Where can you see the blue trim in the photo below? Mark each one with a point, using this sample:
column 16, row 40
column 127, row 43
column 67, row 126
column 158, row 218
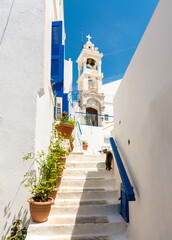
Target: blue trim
column 92, row 114
column 79, row 128
column 124, row 204
column 57, row 58
column 125, row 180
column 91, row 125
column 72, row 116
column 79, row 139
column 65, row 104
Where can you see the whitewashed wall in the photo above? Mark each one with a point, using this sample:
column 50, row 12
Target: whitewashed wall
column 26, row 102
column 143, row 106
column 109, row 90
column 68, row 75
column 95, row 137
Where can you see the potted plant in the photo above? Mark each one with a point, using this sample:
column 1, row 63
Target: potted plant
column 65, row 125
column 57, row 146
column 84, row 145
column 58, row 153
column 40, row 185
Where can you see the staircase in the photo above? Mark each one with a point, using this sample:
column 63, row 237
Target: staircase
column 86, row 206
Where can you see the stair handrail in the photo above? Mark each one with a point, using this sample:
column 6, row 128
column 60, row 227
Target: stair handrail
column 124, row 177
column 79, row 127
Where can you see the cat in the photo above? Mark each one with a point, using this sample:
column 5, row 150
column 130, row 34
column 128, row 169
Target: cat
column 109, row 158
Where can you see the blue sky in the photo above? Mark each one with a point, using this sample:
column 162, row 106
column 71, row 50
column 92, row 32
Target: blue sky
column 116, row 28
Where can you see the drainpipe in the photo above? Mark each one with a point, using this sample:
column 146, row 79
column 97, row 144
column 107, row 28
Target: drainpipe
column 55, row 107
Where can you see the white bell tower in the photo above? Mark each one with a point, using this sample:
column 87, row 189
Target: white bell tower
column 90, row 82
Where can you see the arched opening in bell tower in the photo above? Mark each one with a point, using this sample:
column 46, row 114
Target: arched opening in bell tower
column 91, row 63
column 92, row 117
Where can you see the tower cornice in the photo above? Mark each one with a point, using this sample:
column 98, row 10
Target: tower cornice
column 86, row 53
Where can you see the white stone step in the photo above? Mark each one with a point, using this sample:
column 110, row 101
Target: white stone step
column 77, row 152
column 87, row 194
column 81, row 219
column 85, row 189
column 116, row 224
column 85, row 209
column 87, row 173
column 80, row 202
column 86, row 206
column 85, row 164
column 87, row 157
column 73, row 182
column 115, row 236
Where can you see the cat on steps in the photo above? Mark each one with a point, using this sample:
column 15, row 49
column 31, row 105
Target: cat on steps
column 109, row 158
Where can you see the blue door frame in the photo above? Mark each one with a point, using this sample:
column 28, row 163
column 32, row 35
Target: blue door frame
column 57, row 65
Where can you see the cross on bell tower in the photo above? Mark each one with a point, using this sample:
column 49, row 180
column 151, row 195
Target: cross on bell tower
column 89, row 37
column 90, row 82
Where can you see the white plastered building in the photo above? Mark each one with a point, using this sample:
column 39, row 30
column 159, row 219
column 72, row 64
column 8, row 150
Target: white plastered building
column 26, row 97
column 143, row 129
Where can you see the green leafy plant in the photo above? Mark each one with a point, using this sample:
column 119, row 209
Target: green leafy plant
column 17, row 233
column 50, row 166
column 56, row 149
column 57, row 144
column 44, row 181
column 64, row 118
column 72, row 138
column 84, row 142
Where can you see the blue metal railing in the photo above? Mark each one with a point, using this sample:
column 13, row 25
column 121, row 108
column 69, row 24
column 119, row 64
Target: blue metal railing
column 72, row 116
column 93, row 119
column 79, row 128
column 127, row 193
column 93, row 114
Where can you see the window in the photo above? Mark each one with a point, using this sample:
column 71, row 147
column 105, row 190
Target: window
column 106, row 117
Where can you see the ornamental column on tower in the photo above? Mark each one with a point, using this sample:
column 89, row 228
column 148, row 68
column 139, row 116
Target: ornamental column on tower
column 90, row 83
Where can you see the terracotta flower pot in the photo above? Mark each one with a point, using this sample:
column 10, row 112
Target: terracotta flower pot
column 53, row 194
column 71, row 146
column 58, row 181
column 65, row 129
column 39, row 210
column 84, row 147
column 63, row 160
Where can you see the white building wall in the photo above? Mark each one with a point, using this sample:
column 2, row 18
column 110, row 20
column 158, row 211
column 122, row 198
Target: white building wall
column 68, row 75
column 26, row 111
column 95, row 136
column 142, row 110
column 109, row 90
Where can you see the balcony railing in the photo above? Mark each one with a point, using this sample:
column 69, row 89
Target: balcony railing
column 92, row 119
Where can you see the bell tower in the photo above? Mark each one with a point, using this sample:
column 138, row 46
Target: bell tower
column 90, row 82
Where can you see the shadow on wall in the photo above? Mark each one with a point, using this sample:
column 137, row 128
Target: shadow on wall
column 22, row 215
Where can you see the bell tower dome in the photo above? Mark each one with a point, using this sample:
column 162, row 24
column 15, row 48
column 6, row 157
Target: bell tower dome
column 90, row 80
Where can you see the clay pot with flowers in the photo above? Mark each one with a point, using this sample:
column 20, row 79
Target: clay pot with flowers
column 57, row 153
column 84, row 145
column 41, row 183
column 65, row 125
